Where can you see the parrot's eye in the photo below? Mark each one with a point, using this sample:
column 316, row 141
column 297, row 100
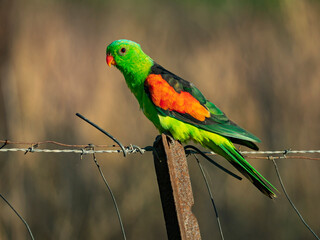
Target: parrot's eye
column 123, row 51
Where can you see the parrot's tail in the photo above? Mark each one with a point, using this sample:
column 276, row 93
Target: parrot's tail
column 239, row 162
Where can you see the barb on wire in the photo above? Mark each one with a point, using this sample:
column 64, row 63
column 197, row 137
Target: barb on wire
column 31, row 149
column 212, row 161
column 211, row 196
column 21, row 218
column 290, row 201
column 112, row 196
column 104, row 132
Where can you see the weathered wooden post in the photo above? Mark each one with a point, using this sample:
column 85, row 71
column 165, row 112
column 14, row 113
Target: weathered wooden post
column 175, row 189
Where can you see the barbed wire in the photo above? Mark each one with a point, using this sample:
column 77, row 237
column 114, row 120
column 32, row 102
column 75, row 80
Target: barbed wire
column 83, row 149
column 91, row 149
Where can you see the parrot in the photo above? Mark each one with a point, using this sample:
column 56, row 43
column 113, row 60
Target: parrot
column 177, row 107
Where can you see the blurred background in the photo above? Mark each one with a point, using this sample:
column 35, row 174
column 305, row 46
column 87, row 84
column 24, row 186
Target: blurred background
column 257, row 60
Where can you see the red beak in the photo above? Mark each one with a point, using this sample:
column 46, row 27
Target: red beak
column 110, row 60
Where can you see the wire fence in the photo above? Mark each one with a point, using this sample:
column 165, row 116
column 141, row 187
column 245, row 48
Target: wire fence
column 82, row 149
column 91, row 149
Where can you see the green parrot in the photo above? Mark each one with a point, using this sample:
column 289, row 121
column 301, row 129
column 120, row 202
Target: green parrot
column 176, row 106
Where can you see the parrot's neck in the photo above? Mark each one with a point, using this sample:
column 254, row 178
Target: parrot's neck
column 136, row 85
column 136, row 74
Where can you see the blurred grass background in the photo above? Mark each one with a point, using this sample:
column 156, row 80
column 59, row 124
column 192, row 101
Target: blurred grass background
column 257, row 60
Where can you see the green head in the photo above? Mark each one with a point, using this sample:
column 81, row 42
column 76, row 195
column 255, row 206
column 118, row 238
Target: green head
column 129, row 58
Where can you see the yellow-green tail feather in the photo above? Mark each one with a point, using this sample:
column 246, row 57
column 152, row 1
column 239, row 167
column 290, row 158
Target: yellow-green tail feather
column 239, row 162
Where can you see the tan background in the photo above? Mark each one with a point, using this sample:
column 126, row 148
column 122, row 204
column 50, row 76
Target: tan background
column 257, row 60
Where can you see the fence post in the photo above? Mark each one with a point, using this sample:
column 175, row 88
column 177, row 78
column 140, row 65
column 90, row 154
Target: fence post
column 175, row 189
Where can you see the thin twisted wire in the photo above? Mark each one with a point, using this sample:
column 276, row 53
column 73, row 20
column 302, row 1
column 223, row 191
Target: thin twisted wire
column 78, row 151
column 131, row 150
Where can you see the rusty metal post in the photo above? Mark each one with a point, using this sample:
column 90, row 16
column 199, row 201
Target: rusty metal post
column 175, row 189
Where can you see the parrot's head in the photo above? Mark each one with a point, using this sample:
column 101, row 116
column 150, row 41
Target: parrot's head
column 129, row 58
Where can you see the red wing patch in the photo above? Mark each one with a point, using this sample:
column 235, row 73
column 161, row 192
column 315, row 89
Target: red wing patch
column 165, row 97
